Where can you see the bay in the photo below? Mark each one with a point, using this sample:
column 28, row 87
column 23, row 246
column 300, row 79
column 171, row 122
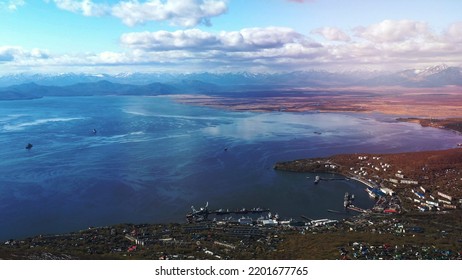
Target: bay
column 152, row 158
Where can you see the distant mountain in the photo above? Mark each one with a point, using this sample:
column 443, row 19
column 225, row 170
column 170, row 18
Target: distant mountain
column 436, row 76
column 26, row 86
column 27, row 91
column 33, row 90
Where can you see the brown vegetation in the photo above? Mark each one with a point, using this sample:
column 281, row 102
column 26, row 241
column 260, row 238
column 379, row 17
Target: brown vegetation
column 450, row 123
column 395, row 101
column 434, row 170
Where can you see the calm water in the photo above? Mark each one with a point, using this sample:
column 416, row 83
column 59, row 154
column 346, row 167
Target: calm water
column 152, row 158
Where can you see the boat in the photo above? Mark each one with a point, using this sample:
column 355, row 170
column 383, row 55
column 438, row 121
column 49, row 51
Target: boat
column 221, row 212
column 198, row 215
column 374, row 192
column 29, row 146
column 347, row 200
column 245, row 221
column 317, row 179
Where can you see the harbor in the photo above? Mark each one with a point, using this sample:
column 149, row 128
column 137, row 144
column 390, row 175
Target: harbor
column 398, row 182
column 204, row 212
column 355, row 237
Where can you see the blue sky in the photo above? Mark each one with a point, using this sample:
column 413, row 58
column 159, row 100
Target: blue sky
column 113, row 36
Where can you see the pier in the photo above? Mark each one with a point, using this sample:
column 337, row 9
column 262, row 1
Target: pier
column 240, row 211
column 318, row 178
column 203, row 213
column 357, row 209
column 367, row 183
column 334, row 179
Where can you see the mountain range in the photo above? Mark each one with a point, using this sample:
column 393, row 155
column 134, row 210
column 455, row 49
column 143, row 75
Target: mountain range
column 28, row 86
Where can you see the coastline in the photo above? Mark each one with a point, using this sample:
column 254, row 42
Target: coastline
column 452, row 124
column 436, row 172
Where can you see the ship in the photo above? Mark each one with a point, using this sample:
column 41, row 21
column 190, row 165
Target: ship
column 347, row 200
column 374, row 192
column 198, row 215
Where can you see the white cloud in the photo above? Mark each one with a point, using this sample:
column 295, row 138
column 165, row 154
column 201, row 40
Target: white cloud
column 15, row 54
column 8, row 53
column 454, row 32
column 332, row 34
column 248, row 39
column 38, row 53
column 250, row 47
column 261, row 49
column 186, row 13
column 11, row 5
column 385, row 45
column 85, row 7
column 393, row 31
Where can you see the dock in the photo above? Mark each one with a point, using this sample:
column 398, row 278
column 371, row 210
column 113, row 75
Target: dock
column 336, row 211
column 357, row 209
column 319, row 178
column 240, row 211
column 203, row 213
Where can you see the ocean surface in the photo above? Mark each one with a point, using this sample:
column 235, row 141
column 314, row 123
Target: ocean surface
column 151, row 159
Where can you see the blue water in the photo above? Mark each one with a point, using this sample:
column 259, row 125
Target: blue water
column 152, row 158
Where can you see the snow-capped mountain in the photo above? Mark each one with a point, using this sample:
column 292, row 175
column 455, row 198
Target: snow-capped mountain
column 434, row 76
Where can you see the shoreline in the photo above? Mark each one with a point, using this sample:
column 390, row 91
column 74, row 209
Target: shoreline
column 451, row 124
column 434, row 173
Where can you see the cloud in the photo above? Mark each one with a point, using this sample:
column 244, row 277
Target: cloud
column 332, row 34
column 250, row 48
column 393, row 31
column 15, row 53
column 11, row 5
column 85, row 7
column 269, row 49
column 385, row 45
column 7, row 53
column 185, row 13
column 454, row 32
column 248, row 39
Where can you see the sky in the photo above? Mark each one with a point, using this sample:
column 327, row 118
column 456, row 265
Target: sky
column 185, row 36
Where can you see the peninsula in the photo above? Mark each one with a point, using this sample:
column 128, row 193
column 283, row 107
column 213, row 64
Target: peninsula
column 424, row 180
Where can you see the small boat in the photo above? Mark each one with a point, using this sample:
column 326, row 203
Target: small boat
column 317, row 179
